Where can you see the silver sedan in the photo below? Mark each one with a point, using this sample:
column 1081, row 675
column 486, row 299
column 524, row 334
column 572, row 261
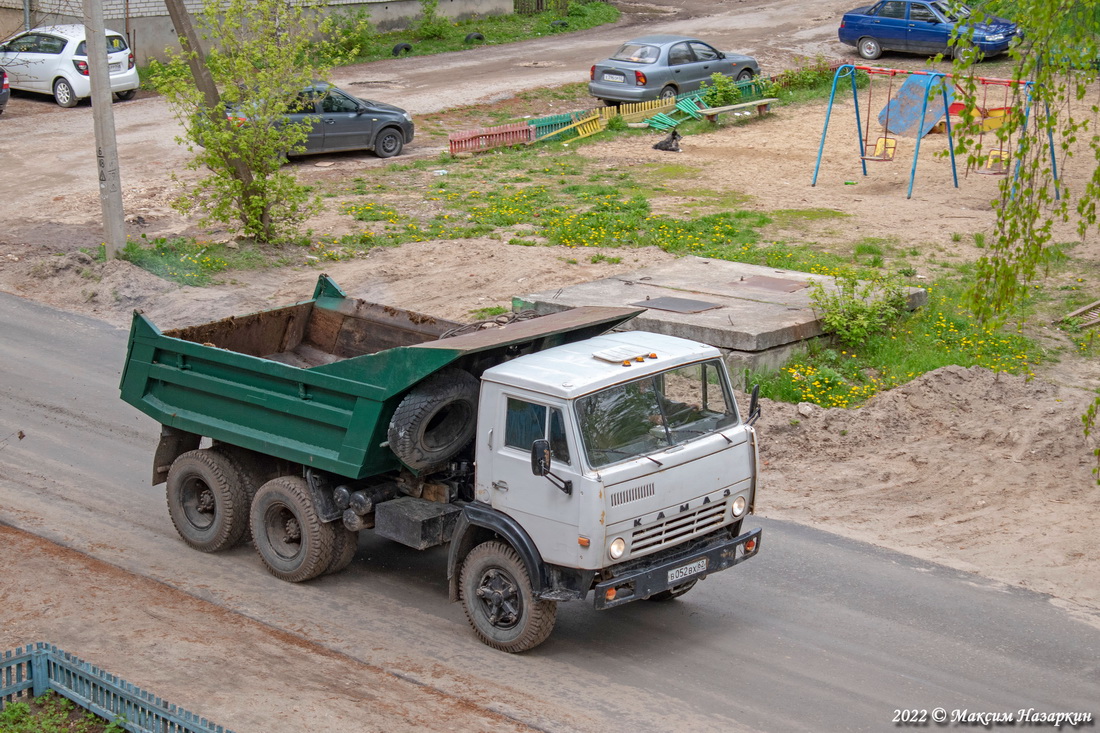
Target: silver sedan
column 663, row 66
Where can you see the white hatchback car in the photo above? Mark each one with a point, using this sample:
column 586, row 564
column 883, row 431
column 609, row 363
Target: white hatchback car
column 54, row 60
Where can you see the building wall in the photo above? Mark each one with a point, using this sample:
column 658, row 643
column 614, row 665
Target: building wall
column 150, row 29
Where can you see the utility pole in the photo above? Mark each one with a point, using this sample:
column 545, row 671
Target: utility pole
column 103, row 116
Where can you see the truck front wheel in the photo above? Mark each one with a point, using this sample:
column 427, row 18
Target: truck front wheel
column 207, row 501
column 499, row 601
column 293, row 542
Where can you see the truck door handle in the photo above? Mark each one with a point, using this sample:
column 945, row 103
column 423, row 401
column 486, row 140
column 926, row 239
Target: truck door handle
column 500, row 485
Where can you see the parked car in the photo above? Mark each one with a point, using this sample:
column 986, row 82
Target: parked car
column 340, row 121
column 924, row 27
column 663, row 66
column 54, row 60
column 5, row 90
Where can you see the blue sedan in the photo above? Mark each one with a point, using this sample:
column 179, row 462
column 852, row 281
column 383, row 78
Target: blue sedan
column 922, row 26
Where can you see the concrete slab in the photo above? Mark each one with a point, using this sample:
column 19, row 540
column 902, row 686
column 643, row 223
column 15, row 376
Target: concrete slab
column 756, row 314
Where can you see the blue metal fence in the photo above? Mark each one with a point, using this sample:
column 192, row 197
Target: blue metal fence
column 37, row 668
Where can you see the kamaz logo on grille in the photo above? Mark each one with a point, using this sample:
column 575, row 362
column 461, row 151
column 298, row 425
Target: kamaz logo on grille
column 662, row 515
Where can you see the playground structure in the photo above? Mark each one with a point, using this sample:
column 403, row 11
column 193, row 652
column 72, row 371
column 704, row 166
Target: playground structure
column 925, row 102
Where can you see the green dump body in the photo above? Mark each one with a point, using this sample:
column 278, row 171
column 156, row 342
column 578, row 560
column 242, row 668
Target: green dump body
column 317, row 382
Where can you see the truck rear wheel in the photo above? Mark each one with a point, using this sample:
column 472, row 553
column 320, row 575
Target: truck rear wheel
column 344, row 546
column 207, row 501
column 435, row 420
column 293, row 542
column 499, row 602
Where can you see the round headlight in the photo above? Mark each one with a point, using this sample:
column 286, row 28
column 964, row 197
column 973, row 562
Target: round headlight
column 739, row 506
column 618, row 547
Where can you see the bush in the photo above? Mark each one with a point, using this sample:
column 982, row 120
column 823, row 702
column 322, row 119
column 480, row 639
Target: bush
column 431, row 26
column 721, row 91
column 856, row 311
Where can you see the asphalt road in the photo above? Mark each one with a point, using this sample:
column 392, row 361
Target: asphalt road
column 816, row 633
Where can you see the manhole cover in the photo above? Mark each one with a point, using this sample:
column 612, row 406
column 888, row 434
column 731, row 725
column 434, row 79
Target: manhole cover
column 777, row 284
column 677, row 305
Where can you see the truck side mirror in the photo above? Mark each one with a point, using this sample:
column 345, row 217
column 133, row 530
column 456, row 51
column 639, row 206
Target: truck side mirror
column 540, row 465
column 754, row 405
column 540, row 457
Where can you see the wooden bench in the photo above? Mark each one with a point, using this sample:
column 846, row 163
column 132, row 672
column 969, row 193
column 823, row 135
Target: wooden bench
column 711, row 113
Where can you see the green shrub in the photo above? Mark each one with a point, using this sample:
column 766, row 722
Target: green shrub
column 855, row 311
column 722, row 91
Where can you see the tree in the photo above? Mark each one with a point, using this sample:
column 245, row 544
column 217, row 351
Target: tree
column 262, row 54
column 1059, row 56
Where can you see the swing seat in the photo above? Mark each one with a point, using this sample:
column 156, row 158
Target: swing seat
column 884, row 149
column 996, row 164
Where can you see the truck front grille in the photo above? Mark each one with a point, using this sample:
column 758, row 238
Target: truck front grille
column 678, row 528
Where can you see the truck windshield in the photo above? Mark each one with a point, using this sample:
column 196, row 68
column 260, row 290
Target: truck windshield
column 655, row 412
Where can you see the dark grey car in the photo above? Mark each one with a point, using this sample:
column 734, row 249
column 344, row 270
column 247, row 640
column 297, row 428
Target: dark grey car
column 663, row 66
column 340, row 122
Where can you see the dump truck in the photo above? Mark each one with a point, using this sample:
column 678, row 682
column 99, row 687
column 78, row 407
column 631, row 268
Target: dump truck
column 557, row 457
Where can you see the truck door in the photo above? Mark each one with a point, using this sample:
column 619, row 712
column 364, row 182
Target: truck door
column 548, row 514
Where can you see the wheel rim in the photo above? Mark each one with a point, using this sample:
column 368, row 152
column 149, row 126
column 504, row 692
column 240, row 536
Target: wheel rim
column 284, row 531
column 499, row 599
column 198, row 503
column 668, row 93
column 389, row 143
column 63, row 93
column 869, row 48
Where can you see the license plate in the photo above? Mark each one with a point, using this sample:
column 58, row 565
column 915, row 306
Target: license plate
column 115, row 67
column 686, row 571
column 613, row 77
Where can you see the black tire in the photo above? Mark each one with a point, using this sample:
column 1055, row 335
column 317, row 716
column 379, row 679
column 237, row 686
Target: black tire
column 500, row 605
column 402, row 48
column 611, row 102
column 389, row 143
column 473, row 38
column 674, row 592
column 126, row 96
column 63, row 94
column 745, row 75
column 207, row 501
column 293, row 542
column 869, row 48
column 252, row 473
column 435, row 420
column 345, row 545
column 559, row 24
column 669, row 92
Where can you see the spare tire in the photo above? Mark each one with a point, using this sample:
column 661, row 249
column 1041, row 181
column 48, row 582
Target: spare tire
column 435, row 420
column 402, row 48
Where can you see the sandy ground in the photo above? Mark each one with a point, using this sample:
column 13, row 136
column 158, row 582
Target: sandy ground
column 983, row 472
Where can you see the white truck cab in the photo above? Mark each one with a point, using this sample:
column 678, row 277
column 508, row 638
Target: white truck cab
column 623, row 461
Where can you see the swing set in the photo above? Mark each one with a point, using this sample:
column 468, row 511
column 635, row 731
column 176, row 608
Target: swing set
column 916, row 109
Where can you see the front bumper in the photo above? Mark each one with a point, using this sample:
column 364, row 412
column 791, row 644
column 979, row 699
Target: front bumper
column 642, row 580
